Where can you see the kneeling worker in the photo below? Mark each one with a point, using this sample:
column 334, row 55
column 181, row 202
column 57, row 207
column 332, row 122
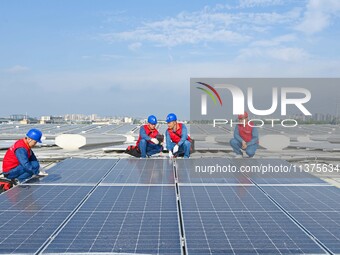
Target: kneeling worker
column 177, row 140
column 246, row 137
column 147, row 142
column 19, row 161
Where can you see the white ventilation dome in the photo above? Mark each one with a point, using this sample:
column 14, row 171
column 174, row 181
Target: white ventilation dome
column 274, row 142
column 76, row 141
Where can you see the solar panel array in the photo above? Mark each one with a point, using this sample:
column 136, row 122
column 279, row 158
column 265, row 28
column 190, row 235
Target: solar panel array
column 160, row 206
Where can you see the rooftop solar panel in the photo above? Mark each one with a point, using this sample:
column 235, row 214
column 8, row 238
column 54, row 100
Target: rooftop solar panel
column 245, row 233
column 221, row 198
column 127, row 198
column 325, row 226
column 313, row 198
column 25, row 231
column 141, row 171
column 126, row 232
column 140, row 219
column 316, row 208
column 134, row 209
column 238, row 232
column 78, row 171
column 42, row 198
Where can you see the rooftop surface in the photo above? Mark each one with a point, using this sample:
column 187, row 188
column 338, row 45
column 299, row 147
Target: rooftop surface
column 98, row 200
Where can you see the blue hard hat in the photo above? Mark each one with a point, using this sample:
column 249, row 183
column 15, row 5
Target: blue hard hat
column 152, row 119
column 34, row 134
column 171, row 117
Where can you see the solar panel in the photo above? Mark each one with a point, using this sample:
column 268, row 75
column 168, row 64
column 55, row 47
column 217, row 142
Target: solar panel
column 140, row 219
column 141, row 171
column 228, row 220
column 313, row 198
column 78, row 171
column 222, row 198
column 325, row 226
column 126, row 198
column 316, row 208
column 42, row 198
column 31, row 213
column 211, row 232
column 135, row 232
column 134, row 209
column 25, row 231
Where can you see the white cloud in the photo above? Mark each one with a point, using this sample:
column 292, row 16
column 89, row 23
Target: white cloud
column 255, row 3
column 275, row 41
column 288, row 54
column 318, row 15
column 16, row 69
column 135, row 46
column 206, row 26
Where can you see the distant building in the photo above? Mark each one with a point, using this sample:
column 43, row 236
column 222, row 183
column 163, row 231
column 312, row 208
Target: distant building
column 5, row 120
column 52, row 120
column 17, row 117
column 127, row 120
column 28, row 121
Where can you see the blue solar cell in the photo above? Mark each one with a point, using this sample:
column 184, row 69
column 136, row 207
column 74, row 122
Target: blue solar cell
column 78, row 171
column 127, row 198
column 227, row 220
column 317, row 208
column 25, row 231
column 141, row 171
column 124, row 219
column 325, row 226
column 305, row 198
column 42, row 198
column 222, row 198
column 245, row 232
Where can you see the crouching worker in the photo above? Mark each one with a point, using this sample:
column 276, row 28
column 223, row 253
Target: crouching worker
column 245, row 137
column 177, row 140
column 19, row 161
column 147, row 142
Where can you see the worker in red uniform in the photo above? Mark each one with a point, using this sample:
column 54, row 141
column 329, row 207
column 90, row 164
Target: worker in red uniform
column 177, row 140
column 147, row 142
column 19, row 161
column 246, row 137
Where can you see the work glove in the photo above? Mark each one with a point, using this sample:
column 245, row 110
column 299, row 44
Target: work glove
column 170, row 155
column 154, row 140
column 175, row 149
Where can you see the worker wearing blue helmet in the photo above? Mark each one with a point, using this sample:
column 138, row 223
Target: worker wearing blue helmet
column 177, row 140
column 19, row 161
column 147, row 142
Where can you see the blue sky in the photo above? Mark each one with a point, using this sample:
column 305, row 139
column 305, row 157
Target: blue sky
column 136, row 57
